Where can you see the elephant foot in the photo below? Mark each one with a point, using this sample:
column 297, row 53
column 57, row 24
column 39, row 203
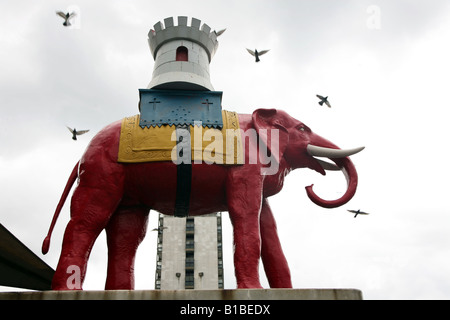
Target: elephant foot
column 121, row 284
column 248, row 282
column 70, row 279
column 58, row 287
column 249, row 286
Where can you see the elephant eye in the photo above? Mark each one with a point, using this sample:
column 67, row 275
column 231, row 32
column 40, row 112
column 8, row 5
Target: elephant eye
column 301, row 128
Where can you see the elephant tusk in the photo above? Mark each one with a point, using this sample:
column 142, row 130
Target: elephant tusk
column 331, row 153
column 328, row 166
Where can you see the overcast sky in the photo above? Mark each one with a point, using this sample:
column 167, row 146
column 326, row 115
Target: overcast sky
column 383, row 64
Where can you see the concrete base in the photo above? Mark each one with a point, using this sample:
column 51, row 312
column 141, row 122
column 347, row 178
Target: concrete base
column 238, row 294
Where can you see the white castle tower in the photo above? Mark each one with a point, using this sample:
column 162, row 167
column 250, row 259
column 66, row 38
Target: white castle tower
column 182, row 54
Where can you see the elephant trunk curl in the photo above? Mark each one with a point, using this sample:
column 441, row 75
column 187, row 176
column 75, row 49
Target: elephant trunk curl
column 341, row 158
column 347, row 167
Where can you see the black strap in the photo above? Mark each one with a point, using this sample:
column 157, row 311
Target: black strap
column 184, row 172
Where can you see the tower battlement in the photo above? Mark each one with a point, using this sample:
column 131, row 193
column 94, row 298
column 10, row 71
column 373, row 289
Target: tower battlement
column 202, row 35
column 182, row 54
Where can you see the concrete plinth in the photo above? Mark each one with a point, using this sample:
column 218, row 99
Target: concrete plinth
column 238, row 294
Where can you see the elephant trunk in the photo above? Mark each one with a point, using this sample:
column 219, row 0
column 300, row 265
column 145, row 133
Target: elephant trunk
column 343, row 162
column 347, row 167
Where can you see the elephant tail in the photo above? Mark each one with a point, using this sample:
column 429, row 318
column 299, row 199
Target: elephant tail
column 73, row 177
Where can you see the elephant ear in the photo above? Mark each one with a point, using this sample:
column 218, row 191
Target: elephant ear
column 271, row 132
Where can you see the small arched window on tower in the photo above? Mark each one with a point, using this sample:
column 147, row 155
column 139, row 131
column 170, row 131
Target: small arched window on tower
column 182, row 54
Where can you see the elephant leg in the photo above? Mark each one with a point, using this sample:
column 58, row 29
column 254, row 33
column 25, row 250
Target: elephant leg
column 125, row 232
column 274, row 261
column 91, row 209
column 244, row 205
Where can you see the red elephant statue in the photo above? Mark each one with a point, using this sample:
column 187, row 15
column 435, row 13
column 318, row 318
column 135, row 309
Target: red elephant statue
column 118, row 197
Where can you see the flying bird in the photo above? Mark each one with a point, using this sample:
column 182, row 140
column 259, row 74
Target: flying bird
column 160, row 228
column 323, row 100
column 76, row 133
column 220, row 32
column 257, row 53
column 356, row 212
column 66, row 16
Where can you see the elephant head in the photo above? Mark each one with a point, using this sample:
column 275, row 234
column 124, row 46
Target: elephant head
column 299, row 147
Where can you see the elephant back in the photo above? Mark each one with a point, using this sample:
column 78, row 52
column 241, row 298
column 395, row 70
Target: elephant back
column 159, row 143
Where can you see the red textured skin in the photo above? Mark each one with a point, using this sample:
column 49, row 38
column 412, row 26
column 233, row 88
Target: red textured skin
column 117, row 197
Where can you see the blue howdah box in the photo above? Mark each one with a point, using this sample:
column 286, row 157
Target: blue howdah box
column 180, row 107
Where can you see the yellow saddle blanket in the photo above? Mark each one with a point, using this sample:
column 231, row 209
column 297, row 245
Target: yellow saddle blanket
column 220, row 146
